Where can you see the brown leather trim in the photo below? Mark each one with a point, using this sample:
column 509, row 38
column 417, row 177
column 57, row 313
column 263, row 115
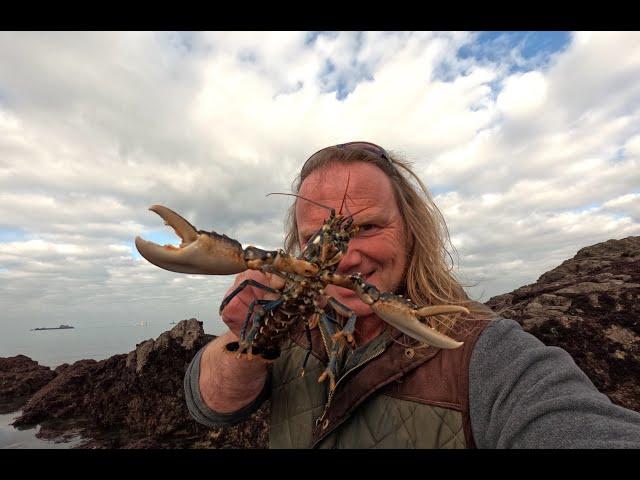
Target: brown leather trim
column 432, row 383
column 423, row 401
column 371, row 377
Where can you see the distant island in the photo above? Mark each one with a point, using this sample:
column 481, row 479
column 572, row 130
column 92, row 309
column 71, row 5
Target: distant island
column 61, row 327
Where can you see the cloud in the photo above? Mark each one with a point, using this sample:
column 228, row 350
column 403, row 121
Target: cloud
column 522, row 94
column 531, row 143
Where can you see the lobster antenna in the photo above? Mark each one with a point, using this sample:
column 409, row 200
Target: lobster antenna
column 300, row 196
column 361, row 210
column 347, row 206
column 344, row 197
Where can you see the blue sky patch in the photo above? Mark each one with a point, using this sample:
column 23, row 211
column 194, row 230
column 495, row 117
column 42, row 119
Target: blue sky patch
column 7, row 235
column 535, row 51
column 620, row 155
column 343, row 82
column 161, row 237
column 535, row 47
column 136, row 255
column 587, row 207
column 342, row 79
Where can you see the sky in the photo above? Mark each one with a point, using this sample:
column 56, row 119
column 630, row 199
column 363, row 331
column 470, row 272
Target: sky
column 528, row 141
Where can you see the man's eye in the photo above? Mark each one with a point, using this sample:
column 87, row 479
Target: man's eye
column 368, row 227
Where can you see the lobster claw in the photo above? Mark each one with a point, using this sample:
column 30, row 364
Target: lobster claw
column 200, row 252
column 399, row 314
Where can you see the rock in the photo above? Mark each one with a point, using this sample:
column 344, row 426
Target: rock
column 20, row 377
column 136, row 400
column 589, row 306
column 62, row 397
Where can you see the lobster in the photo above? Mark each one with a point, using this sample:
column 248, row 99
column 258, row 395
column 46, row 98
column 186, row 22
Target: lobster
column 302, row 298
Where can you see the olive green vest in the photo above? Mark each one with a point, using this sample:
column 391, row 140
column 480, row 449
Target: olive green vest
column 387, row 396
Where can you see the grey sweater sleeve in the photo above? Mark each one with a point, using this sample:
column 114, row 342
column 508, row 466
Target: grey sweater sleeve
column 524, row 394
column 201, row 412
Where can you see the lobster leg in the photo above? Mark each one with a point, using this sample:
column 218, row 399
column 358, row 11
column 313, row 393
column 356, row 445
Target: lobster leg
column 309, row 348
column 247, row 319
column 255, row 314
column 331, row 371
column 242, row 286
column 348, row 329
column 264, row 307
column 247, row 344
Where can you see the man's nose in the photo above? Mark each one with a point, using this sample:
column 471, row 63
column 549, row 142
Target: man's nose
column 351, row 260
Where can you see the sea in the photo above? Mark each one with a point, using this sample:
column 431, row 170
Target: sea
column 87, row 340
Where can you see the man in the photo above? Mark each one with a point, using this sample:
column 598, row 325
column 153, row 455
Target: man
column 503, row 388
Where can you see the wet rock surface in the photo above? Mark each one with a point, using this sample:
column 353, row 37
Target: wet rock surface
column 589, row 306
column 135, row 400
column 20, row 377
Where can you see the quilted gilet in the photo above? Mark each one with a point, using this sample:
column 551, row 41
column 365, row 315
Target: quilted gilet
column 387, row 396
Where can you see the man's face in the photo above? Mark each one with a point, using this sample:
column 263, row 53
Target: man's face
column 379, row 250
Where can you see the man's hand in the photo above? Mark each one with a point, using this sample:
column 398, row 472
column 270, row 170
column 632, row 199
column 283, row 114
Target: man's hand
column 227, row 383
column 234, row 313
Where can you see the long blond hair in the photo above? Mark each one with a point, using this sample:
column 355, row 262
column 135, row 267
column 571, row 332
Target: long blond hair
column 429, row 279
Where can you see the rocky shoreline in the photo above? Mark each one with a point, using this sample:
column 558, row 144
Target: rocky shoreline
column 133, row 400
column 589, row 305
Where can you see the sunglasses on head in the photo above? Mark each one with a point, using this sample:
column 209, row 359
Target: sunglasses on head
column 366, row 146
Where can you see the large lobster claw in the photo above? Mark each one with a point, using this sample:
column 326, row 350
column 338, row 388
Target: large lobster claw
column 200, row 252
column 401, row 315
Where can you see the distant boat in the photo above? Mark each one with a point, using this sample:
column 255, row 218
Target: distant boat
column 61, row 327
column 173, row 323
column 142, row 323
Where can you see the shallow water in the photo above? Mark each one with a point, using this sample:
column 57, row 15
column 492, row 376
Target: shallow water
column 11, row 437
column 52, row 348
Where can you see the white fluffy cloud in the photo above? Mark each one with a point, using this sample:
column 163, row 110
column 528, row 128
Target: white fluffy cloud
column 523, row 95
column 531, row 159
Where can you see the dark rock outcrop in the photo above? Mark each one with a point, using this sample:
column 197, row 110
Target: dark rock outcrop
column 589, row 306
column 20, row 377
column 136, row 400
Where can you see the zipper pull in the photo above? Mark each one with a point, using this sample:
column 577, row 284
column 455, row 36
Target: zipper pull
column 325, row 423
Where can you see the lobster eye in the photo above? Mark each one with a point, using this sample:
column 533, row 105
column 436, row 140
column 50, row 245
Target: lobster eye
column 373, row 292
